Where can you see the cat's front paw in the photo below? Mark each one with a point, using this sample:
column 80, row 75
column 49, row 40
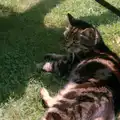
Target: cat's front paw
column 47, row 67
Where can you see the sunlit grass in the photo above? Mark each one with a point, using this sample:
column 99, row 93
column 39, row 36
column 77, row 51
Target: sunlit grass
column 31, row 28
column 19, row 5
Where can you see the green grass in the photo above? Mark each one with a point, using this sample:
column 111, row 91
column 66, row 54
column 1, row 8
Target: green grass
column 28, row 30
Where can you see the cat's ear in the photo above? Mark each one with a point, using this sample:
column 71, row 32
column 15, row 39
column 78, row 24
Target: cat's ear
column 71, row 19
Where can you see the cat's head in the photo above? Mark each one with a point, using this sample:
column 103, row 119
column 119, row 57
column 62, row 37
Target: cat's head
column 80, row 36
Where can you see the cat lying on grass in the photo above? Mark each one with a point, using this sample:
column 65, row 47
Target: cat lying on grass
column 92, row 91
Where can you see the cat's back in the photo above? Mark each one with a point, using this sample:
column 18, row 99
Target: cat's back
column 81, row 102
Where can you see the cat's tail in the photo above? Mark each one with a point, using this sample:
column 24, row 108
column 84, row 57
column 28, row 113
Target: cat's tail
column 109, row 7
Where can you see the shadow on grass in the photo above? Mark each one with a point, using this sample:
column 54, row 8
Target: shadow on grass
column 24, row 39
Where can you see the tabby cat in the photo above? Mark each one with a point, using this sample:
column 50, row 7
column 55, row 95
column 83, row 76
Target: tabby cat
column 82, row 41
column 92, row 92
column 93, row 81
column 87, row 101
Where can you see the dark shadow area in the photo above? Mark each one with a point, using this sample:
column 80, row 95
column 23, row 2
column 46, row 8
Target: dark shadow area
column 24, row 39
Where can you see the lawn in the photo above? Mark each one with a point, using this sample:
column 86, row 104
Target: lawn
column 31, row 28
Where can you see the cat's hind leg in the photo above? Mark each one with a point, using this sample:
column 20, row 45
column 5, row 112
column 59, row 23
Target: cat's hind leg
column 48, row 101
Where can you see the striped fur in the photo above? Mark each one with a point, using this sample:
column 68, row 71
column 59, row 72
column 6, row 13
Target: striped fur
column 82, row 41
column 79, row 102
column 92, row 92
column 80, row 36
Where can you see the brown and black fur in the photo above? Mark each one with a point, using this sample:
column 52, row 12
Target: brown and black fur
column 93, row 89
column 82, row 41
column 92, row 92
column 87, row 101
